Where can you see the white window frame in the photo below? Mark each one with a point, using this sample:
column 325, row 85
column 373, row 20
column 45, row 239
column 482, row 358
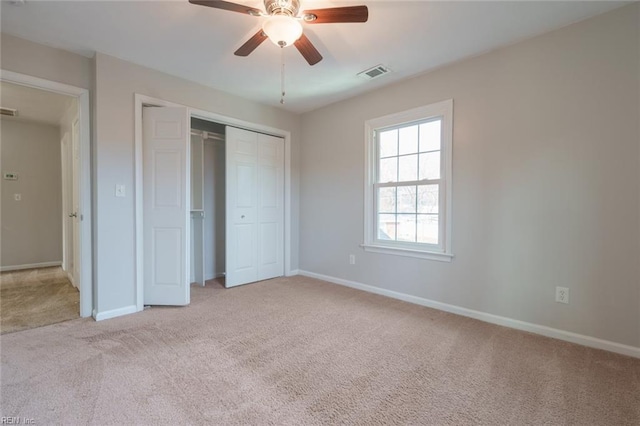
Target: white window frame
column 442, row 251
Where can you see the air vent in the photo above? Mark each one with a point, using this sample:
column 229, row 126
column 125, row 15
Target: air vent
column 375, row 72
column 9, row 111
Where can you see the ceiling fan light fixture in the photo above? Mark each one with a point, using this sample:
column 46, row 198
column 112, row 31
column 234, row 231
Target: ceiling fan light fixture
column 282, row 30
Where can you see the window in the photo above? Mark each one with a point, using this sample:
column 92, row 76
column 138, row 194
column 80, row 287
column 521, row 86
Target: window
column 408, row 185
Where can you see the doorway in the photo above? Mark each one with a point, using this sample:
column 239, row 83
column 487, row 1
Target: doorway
column 207, row 249
column 74, row 256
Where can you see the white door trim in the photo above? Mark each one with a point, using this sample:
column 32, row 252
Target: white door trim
column 85, row 181
column 142, row 100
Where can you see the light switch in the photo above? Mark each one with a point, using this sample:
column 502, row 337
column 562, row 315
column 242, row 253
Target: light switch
column 17, row 197
column 120, row 191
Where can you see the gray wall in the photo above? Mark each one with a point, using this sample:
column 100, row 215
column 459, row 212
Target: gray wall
column 546, row 185
column 32, row 227
column 26, row 57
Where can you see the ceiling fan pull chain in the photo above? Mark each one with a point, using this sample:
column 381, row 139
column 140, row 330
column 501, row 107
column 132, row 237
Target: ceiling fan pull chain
column 282, row 75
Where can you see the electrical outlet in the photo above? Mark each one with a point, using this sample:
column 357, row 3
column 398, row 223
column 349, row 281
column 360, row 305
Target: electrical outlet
column 562, row 295
column 352, row 259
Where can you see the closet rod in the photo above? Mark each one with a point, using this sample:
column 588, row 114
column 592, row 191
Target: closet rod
column 207, row 135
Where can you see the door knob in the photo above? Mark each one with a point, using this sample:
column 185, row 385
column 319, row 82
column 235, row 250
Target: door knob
column 74, row 214
column 242, row 217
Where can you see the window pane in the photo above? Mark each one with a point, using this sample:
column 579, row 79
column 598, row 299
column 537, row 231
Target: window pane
column 407, row 199
column 430, row 165
column 408, row 166
column 428, row 199
column 386, row 227
column 388, row 170
column 408, row 140
column 389, row 143
column 430, row 136
column 428, row 228
column 386, row 200
column 407, row 227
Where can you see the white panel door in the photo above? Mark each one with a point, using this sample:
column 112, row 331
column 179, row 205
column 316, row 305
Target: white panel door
column 242, row 207
column 67, row 206
column 166, row 206
column 270, row 207
column 75, row 202
column 255, row 207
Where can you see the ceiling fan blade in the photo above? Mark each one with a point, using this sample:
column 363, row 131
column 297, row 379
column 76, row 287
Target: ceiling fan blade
column 338, row 14
column 251, row 44
column 308, row 50
column 226, row 5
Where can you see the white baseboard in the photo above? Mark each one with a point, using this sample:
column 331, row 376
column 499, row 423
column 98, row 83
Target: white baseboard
column 292, row 272
column 99, row 316
column 568, row 336
column 30, row 266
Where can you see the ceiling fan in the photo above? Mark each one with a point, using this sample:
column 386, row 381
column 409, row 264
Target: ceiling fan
column 283, row 27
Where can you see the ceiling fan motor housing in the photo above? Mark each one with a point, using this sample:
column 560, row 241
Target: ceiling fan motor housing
column 282, row 7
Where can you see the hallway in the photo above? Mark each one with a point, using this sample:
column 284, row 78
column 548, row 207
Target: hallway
column 36, row 297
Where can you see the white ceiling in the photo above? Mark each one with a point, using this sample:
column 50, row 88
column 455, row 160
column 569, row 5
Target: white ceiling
column 197, row 43
column 34, row 104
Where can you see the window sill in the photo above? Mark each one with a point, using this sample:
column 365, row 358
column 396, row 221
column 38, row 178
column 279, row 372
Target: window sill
column 397, row 251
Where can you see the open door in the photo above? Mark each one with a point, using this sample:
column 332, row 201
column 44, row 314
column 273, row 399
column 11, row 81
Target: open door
column 166, row 205
column 75, row 203
column 255, row 207
column 70, row 163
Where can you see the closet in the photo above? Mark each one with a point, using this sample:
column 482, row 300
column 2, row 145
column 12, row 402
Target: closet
column 207, row 201
column 213, row 205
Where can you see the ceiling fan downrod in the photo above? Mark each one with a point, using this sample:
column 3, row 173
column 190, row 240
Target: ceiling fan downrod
column 282, row 7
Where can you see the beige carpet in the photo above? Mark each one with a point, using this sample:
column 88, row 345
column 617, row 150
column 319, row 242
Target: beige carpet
column 298, row 351
column 36, row 297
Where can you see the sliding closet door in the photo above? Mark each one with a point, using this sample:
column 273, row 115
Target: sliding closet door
column 242, row 210
column 270, row 207
column 255, row 207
